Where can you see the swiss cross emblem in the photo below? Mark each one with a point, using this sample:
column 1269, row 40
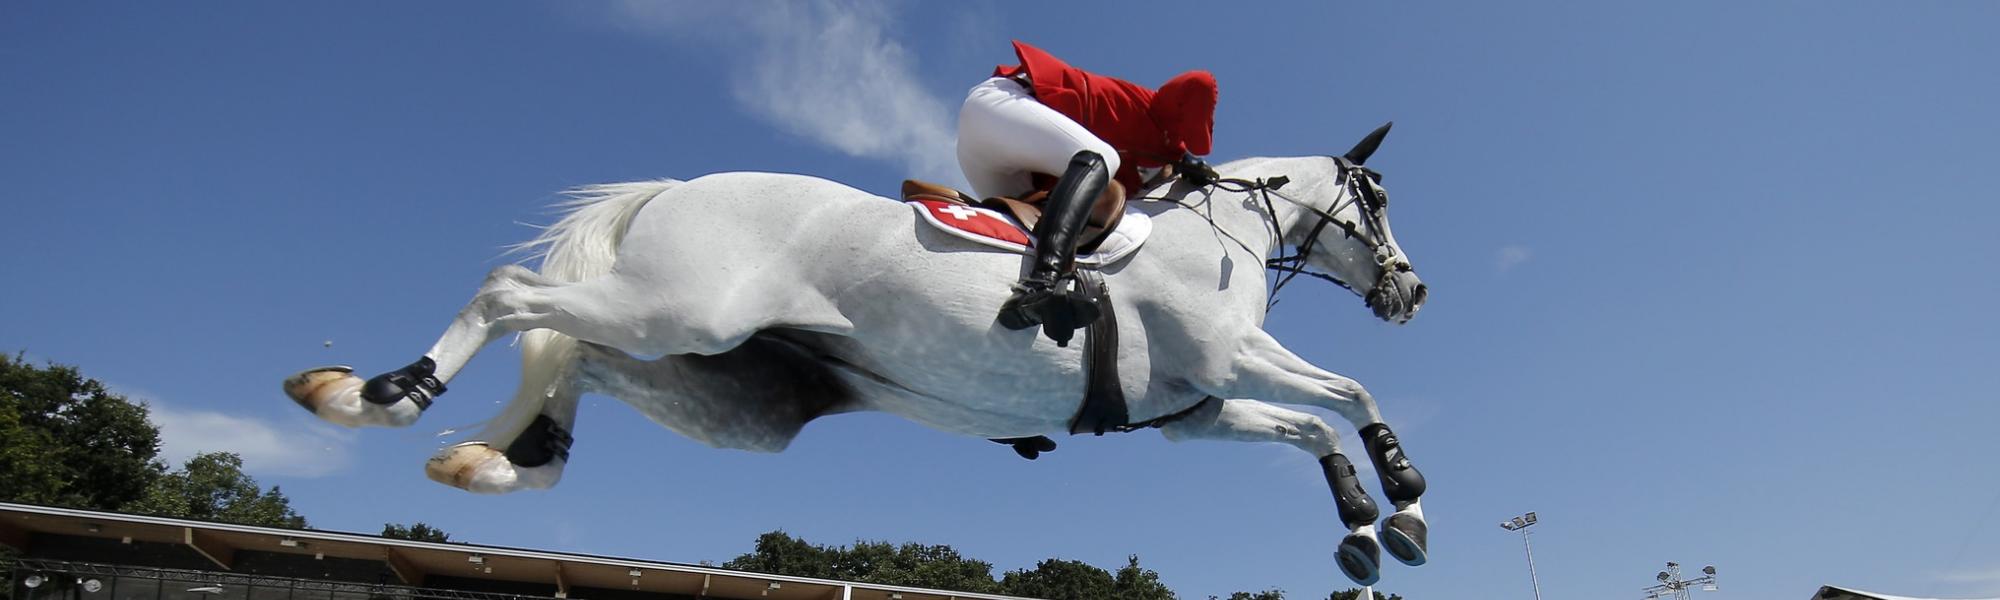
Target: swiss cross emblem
column 958, row 212
column 974, row 221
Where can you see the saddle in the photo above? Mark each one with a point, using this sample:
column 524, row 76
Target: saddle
column 1105, row 214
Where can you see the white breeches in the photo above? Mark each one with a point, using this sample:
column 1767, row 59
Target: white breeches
column 1005, row 134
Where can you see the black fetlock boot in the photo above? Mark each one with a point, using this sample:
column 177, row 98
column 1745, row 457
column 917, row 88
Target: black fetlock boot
column 1044, row 295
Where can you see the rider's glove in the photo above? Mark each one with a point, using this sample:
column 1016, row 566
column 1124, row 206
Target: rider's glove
column 1195, row 170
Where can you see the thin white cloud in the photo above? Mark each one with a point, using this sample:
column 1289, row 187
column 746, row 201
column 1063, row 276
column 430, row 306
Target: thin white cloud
column 825, row 70
column 1512, row 255
column 1988, row 575
column 300, row 448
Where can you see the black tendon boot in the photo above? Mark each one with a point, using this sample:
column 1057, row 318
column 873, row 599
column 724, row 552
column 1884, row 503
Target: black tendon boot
column 1044, row 297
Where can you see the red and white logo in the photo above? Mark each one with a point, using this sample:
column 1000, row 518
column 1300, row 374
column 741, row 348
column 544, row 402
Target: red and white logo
column 974, row 223
column 997, row 230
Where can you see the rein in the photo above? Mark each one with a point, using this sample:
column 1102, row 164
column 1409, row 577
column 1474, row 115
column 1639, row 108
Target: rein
column 1291, row 266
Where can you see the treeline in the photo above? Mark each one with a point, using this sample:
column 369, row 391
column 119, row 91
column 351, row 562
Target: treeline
column 942, row 567
column 66, row 440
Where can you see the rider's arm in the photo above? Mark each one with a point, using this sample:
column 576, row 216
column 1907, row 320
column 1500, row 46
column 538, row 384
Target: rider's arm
column 1184, row 108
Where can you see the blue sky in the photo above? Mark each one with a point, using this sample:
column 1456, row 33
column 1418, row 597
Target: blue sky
column 1710, row 281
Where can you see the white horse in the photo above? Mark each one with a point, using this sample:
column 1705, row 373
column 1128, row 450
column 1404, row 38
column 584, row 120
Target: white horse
column 757, row 302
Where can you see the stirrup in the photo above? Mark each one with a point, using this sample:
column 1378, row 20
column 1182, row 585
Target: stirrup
column 1058, row 308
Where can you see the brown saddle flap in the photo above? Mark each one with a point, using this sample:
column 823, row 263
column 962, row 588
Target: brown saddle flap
column 1104, row 215
column 914, row 189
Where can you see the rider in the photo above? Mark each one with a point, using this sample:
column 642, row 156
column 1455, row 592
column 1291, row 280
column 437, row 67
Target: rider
column 1044, row 116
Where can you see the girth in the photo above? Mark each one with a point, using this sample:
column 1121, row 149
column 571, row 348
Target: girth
column 1103, row 406
column 1103, row 398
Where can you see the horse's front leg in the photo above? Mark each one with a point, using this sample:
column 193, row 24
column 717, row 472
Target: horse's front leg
column 1264, row 369
column 397, row 398
column 1253, row 421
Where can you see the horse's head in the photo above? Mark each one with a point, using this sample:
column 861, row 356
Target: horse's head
column 1343, row 229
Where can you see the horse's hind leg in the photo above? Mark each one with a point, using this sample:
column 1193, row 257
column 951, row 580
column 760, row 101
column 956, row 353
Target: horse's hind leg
column 1265, row 370
column 745, row 399
column 527, row 445
column 1253, row 421
column 513, row 298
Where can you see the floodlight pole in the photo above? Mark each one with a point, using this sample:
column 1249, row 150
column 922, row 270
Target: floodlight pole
column 1521, row 524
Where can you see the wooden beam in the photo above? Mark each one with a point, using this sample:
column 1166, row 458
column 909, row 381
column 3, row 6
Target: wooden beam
column 704, row 586
column 562, row 583
column 13, row 536
column 215, row 550
column 405, row 570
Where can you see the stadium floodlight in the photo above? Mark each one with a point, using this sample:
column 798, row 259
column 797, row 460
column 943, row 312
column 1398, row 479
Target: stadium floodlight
column 1521, row 524
column 35, row 580
column 1672, row 586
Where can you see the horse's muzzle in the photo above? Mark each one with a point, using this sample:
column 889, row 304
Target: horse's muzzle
column 1397, row 296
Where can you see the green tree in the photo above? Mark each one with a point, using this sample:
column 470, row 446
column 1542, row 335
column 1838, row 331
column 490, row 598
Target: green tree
column 1133, row 582
column 66, row 440
column 1263, row 595
column 420, row 532
column 213, row 487
column 909, row 564
column 1059, row 579
column 1355, row 594
column 781, row 554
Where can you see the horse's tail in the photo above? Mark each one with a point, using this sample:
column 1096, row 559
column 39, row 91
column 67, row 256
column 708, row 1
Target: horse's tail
column 583, row 244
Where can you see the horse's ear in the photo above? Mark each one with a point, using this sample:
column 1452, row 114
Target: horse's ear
column 1367, row 147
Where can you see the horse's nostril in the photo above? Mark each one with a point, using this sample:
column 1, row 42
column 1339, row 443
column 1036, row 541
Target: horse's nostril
column 1417, row 296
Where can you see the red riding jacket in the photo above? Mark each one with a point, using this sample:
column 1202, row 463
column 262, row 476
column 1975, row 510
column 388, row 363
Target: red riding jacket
column 1148, row 128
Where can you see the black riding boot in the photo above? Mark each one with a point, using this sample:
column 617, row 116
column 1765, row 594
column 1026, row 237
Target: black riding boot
column 1044, row 297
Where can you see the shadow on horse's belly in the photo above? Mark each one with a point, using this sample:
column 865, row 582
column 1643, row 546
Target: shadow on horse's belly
column 780, row 379
column 951, row 386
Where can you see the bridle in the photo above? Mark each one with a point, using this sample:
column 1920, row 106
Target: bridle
column 1374, row 205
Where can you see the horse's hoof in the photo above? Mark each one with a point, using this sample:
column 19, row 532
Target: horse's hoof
column 334, row 394
column 1360, row 559
column 313, row 388
column 479, row 468
column 1405, row 536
